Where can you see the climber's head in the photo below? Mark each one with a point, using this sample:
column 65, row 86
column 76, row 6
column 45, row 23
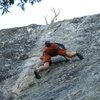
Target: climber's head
column 47, row 43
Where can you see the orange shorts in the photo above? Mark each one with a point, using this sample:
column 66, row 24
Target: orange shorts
column 47, row 58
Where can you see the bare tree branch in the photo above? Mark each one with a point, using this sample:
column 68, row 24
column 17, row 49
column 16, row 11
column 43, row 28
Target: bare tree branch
column 55, row 15
column 45, row 17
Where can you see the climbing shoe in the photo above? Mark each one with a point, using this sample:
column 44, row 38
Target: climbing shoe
column 80, row 56
column 37, row 74
column 67, row 60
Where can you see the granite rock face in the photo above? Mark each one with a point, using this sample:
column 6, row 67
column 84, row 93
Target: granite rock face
column 20, row 49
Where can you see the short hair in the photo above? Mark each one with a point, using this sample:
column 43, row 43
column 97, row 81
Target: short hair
column 47, row 43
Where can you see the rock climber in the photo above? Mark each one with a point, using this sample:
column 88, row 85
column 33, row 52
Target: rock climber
column 51, row 50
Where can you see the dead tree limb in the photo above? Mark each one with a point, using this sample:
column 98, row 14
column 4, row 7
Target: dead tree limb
column 45, row 17
column 55, row 15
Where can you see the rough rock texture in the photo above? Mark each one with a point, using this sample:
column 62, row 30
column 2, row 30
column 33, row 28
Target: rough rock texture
column 75, row 80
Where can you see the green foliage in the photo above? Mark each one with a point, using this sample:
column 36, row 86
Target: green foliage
column 6, row 4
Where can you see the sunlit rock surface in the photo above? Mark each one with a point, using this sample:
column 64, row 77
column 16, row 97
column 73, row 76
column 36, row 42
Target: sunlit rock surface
column 20, row 49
